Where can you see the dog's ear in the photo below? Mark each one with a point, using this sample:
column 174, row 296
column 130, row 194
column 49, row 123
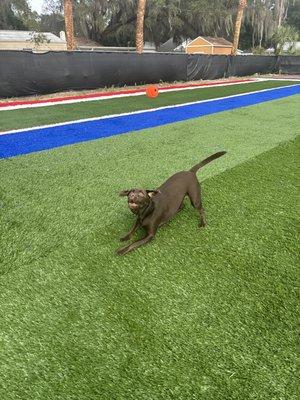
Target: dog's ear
column 124, row 193
column 153, row 192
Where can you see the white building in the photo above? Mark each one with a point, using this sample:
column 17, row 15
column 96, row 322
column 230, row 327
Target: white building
column 27, row 40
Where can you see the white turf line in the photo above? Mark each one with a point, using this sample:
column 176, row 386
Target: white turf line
column 78, row 121
column 279, row 79
column 107, row 97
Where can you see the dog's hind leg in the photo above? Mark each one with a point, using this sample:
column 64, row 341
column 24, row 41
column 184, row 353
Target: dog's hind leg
column 181, row 206
column 194, row 194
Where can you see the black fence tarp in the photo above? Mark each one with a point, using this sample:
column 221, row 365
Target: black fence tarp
column 201, row 66
column 250, row 65
column 24, row 73
column 289, row 64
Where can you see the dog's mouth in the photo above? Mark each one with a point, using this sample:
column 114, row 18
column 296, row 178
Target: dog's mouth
column 133, row 206
column 137, row 201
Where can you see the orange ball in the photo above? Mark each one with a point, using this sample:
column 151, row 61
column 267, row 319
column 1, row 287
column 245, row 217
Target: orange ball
column 152, row 91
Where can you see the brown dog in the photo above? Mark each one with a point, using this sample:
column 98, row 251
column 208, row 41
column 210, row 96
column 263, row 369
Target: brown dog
column 154, row 208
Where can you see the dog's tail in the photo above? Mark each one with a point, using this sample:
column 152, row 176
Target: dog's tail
column 207, row 160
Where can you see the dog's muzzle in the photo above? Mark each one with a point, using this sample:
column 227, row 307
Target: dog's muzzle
column 133, row 206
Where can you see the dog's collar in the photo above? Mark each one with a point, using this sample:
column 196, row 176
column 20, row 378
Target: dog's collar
column 144, row 212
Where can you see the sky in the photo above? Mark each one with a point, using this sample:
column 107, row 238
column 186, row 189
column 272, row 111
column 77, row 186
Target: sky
column 36, row 5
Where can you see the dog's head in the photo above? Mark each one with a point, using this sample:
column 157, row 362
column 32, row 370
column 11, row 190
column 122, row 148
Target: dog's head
column 138, row 199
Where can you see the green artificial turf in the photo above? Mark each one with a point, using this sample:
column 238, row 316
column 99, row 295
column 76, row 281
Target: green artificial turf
column 24, row 118
column 197, row 314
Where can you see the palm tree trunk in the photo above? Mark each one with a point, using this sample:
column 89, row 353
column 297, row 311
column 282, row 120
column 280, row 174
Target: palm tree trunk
column 139, row 32
column 238, row 23
column 253, row 23
column 68, row 13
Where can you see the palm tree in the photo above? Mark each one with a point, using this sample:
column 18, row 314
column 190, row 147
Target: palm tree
column 285, row 35
column 238, row 23
column 68, row 13
column 139, row 31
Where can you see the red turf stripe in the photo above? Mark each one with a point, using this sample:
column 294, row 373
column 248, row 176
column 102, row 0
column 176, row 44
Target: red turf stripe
column 109, row 94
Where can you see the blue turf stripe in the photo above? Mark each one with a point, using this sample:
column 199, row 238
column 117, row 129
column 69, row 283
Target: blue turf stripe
column 25, row 142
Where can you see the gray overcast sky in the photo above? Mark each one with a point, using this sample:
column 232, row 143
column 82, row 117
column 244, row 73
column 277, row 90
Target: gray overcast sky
column 36, row 5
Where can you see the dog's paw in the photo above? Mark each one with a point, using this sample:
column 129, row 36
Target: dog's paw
column 122, row 251
column 201, row 224
column 124, row 238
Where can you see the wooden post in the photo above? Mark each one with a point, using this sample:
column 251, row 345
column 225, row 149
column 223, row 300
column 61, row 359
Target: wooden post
column 139, row 30
column 68, row 13
column 238, row 23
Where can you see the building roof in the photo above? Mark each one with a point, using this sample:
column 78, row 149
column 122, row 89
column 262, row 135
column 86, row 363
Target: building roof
column 26, row 36
column 215, row 41
column 167, row 46
column 171, row 45
column 84, row 42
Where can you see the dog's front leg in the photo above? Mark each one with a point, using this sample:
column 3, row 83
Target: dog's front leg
column 134, row 245
column 131, row 232
column 150, row 235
